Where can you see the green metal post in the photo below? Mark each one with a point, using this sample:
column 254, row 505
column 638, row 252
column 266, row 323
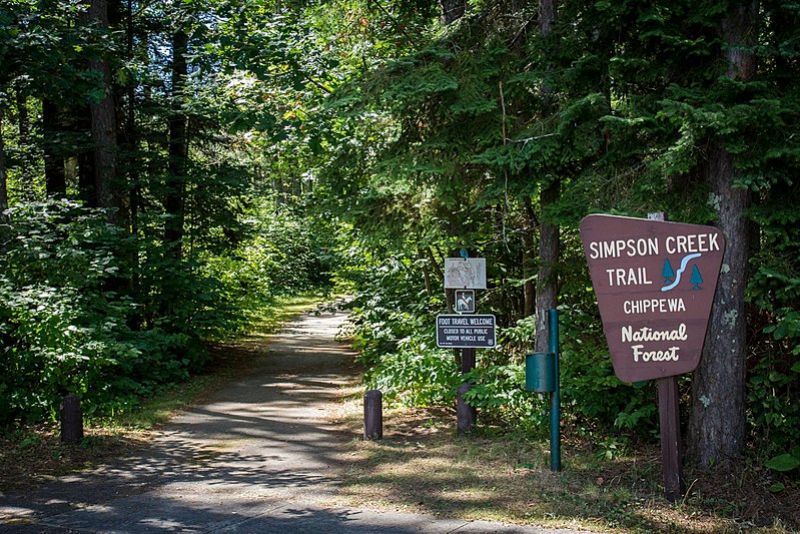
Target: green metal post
column 555, row 397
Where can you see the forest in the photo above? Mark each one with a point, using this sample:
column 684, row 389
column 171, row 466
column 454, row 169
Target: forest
column 168, row 168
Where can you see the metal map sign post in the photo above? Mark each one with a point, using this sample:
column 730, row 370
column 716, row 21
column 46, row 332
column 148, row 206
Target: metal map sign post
column 655, row 283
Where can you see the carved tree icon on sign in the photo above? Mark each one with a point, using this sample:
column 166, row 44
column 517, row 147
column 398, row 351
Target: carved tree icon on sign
column 667, row 272
column 696, row 278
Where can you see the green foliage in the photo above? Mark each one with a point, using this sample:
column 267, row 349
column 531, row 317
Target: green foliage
column 394, row 318
column 774, row 290
column 63, row 327
column 395, row 337
column 95, row 301
column 364, row 142
column 499, row 393
column 448, row 144
column 783, row 463
column 69, row 325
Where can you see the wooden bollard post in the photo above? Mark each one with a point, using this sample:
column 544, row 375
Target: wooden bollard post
column 71, row 420
column 373, row 415
column 465, row 414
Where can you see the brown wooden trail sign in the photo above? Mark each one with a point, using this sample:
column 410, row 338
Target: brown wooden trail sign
column 655, row 283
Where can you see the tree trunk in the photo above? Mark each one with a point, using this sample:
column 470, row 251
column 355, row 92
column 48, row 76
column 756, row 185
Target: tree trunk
column 23, row 122
column 549, row 239
column 547, row 279
column 528, row 261
column 437, row 269
column 86, row 178
column 131, row 142
column 54, row 175
column 717, row 426
column 24, row 127
column 452, row 10
column 178, row 151
column 3, row 182
column 547, row 16
column 426, row 273
column 81, row 127
column 104, row 122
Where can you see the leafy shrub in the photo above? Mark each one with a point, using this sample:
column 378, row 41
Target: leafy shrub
column 71, row 322
column 773, row 385
column 395, row 319
column 63, row 327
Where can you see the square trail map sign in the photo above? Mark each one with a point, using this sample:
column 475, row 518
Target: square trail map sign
column 655, row 283
column 465, row 273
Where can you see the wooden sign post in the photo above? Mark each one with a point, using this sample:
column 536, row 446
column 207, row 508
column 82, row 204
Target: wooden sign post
column 655, row 283
column 467, row 332
column 669, row 424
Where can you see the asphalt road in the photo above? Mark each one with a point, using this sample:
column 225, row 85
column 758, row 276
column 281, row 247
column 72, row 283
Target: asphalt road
column 260, row 456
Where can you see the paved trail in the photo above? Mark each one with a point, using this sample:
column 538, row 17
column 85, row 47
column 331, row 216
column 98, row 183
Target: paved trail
column 260, row 457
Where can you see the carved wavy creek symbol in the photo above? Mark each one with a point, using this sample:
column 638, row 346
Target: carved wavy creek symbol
column 684, row 263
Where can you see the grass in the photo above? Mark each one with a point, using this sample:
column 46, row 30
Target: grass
column 422, row 466
column 33, row 454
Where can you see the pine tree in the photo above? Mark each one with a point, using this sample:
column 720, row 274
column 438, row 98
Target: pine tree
column 718, row 430
column 103, row 119
column 3, row 182
column 549, row 232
